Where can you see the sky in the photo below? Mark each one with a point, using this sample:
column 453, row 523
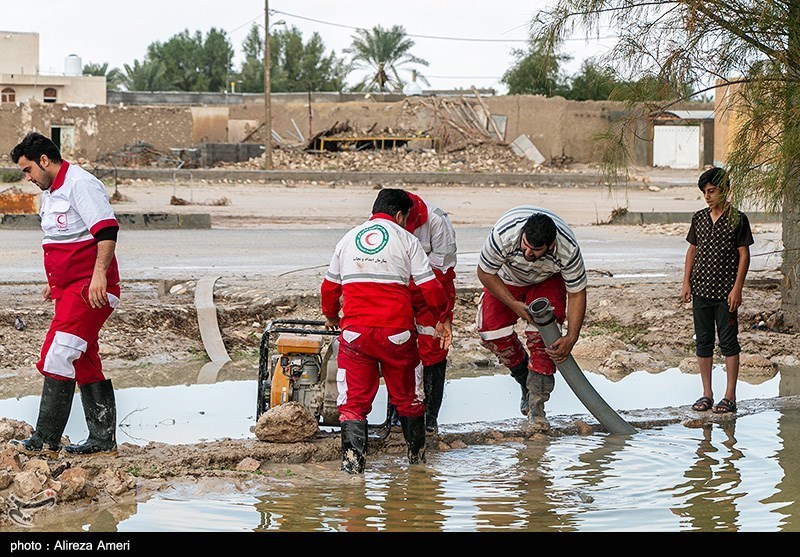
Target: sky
column 101, row 31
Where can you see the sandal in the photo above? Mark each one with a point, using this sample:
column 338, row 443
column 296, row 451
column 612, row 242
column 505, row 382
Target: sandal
column 703, row 404
column 724, row 406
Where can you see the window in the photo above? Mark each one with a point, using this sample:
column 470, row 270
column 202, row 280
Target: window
column 7, row 95
column 50, row 95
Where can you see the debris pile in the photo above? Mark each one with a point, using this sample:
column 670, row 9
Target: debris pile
column 487, row 158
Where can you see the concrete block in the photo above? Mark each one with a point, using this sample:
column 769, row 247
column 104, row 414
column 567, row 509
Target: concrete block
column 197, row 220
column 130, row 220
column 20, row 221
column 524, row 147
column 160, row 220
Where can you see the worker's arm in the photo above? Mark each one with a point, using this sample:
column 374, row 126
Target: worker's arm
column 499, row 290
column 98, row 295
column 576, row 311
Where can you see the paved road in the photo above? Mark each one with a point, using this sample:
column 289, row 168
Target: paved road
column 627, row 252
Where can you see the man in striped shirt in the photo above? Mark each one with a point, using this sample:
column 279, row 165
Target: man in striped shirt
column 530, row 253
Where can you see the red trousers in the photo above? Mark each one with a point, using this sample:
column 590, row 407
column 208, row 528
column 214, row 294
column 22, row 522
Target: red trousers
column 496, row 322
column 70, row 349
column 366, row 354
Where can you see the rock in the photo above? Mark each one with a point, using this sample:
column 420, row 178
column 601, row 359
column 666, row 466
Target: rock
column 623, row 362
column 248, row 465
column 688, row 365
column 755, row 363
column 117, row 482
column 583, row 428
column 286, row 423
column 597, row 347
column 72, row 480
column 27, row 484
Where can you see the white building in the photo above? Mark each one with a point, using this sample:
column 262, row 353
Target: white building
column 20, row 80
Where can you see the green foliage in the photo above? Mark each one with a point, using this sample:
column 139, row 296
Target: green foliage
column 594, row 82
column 192, row 62
column 299, row 66
column 382, row 53
column 9, row 176
column 113, row 76
column 536, row 72
column 295, row 65
column 252, row 71
column 144, row 76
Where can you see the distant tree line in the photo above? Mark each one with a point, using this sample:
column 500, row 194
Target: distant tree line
column 202, row 63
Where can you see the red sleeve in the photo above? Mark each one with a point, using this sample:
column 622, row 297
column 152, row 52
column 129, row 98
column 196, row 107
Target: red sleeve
column 436, row 298
column 448, row 282
column 330, row 296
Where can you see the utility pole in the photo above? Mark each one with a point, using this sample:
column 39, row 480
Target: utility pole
column 267, row 107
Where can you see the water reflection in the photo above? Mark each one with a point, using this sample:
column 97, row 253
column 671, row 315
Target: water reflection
column 737, row 475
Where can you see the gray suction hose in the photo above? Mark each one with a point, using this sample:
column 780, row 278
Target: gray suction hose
column 542, row 313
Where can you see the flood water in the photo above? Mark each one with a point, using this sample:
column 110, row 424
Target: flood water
column 740, row 476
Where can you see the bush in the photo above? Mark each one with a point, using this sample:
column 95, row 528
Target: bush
column 11, row 176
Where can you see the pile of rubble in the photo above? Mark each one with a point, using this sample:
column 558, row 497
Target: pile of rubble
column 486, row 158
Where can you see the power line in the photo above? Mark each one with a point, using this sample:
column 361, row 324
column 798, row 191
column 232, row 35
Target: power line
column 467, row 39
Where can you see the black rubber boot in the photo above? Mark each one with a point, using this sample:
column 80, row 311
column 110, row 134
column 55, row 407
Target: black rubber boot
column 414, row 433
column 54, row 409
column 433, row 383
column 520, row 374
column 394, row 417
column 354, row 446
column 100, row 410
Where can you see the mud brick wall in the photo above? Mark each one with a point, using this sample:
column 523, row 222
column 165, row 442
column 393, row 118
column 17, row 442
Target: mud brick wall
column 99, row 130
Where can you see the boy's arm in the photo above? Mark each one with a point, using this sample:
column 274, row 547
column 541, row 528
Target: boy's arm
column 686, row 288
column 735, row 295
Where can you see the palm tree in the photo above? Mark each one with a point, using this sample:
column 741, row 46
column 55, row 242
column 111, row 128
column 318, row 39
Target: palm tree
column 382, row 52
column 144, row 76
column 113, row 76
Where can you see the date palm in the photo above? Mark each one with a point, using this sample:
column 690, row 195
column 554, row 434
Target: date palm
column 382, row 52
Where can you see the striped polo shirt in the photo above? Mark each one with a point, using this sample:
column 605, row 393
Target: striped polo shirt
column 502, row 252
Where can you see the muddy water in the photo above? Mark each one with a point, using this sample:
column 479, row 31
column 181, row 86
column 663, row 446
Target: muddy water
column 740, row 476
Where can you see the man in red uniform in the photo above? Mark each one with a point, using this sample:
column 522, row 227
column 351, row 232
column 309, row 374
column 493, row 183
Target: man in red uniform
column 80, row 237
column 368, row 281
column 433, row 229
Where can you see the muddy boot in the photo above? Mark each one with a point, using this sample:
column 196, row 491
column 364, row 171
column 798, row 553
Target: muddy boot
column 433, row 383
column 394, row 417
column 414, row 432
column 100, row 410
column 539, row 389
column 520, row 374
column 54, row 409
column 354, row 446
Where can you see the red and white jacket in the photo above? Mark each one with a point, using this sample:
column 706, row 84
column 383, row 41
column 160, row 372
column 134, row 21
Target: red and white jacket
column 369, row 275
column 74, row 208
column 433, row 229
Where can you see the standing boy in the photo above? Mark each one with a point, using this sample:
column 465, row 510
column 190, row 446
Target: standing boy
column 716, row 265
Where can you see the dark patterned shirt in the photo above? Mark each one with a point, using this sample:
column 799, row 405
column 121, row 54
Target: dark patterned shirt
column 716, row 259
